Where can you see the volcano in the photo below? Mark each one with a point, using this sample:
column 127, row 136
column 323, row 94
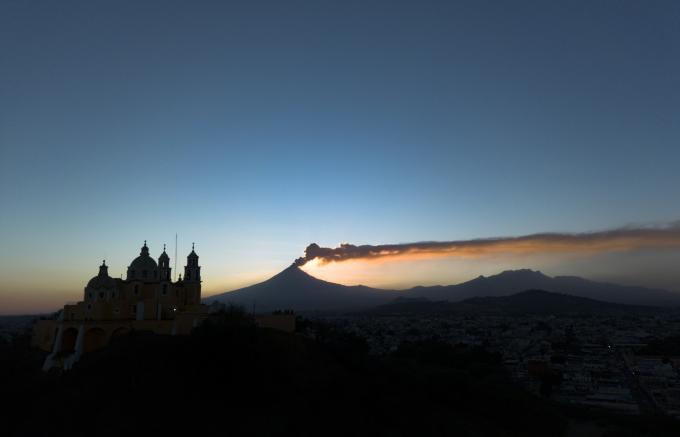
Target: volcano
column 294, row 289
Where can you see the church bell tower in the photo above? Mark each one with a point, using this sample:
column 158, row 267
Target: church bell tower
column 192, row 278
column 164, row 266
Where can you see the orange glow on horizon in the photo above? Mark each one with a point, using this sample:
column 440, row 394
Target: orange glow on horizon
column 403, row 266
column 476, row 249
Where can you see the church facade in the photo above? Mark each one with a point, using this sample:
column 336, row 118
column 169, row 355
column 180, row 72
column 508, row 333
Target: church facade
column 146, row 300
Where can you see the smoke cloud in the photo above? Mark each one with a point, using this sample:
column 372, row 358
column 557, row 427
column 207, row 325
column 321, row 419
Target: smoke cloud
column 624, row 239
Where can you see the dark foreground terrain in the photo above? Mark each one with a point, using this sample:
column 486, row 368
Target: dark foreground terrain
column 231, row 378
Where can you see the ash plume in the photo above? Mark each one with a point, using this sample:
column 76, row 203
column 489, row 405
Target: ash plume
column 623, row 239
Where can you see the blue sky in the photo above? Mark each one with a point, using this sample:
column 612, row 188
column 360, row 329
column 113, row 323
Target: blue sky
column 255, row 128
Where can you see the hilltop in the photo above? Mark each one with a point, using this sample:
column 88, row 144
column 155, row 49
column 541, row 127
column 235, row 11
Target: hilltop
column 537, row 302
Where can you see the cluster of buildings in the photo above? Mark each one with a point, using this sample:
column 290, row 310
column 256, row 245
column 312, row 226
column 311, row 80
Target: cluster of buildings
column 659, row 378
column 590, row 361
column 148, row 299
column 595, row 362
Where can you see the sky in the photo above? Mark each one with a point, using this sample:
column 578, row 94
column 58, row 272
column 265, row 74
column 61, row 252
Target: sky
column 255, row 128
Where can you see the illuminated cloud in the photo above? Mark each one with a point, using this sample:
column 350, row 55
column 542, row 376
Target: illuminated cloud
column 624, row 239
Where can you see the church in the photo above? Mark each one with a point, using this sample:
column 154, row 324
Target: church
column 146, row 300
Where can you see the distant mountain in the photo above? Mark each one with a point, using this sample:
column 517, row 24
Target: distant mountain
column 514, row 281
column 527, row 302
column 295, row 289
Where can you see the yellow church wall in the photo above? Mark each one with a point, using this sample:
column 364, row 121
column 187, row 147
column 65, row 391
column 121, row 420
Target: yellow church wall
column 45, row 331
column 109, row 308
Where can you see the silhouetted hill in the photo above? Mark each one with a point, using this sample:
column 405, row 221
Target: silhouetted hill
column 295, row 289
column 526, row 302
column 231, row 378
column 514, row 281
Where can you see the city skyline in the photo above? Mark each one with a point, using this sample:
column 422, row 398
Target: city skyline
column 385, row 272
column 256, row 128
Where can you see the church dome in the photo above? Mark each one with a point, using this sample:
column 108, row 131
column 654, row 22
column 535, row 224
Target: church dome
column 143, row 267
column 143, row 263
column 102, row 280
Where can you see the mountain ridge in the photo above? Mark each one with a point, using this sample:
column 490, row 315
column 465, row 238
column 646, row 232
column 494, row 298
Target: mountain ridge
column 292, row 288
column 539, row 302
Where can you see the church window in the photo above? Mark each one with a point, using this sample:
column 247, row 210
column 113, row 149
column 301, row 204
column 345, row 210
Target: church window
column 101, row 295
column 144, row 272
column 187, row 276
column 89, row 295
